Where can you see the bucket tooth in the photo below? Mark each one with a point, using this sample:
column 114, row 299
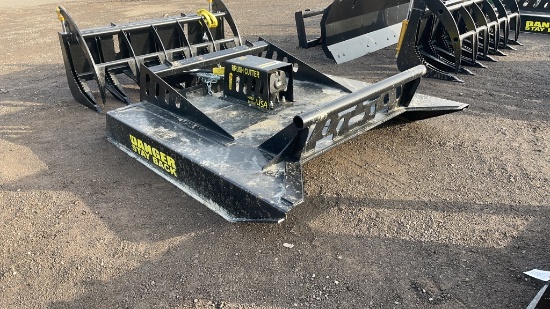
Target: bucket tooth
column 438, row 74
column 466, row 59
column 535, row 16
column 82, row 93
column 115, row 88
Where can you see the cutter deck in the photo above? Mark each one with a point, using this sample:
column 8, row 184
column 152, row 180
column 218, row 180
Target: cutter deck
column 254, row 171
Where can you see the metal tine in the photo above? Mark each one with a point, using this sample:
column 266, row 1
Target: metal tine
column 416, row 47
column 483, row 19
column 76, row 58
column 479, row 17
column 505, row 25
column 447, row 24
column 474, row 32
column 514, row 20
column 184, row 41
column 493, row 24
column 482, row 29
column 497, row 22
column 474, row 19
column 211, row 42
column 159, row 45
column 508, row 15
column 133, row 65
column 487, row 22
column 115, row 88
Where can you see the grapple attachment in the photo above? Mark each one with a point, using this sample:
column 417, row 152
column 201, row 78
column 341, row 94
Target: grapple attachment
column 447, row 36
column 535, row 15
column 100, row 54
column 237, row 140
column 351, row 28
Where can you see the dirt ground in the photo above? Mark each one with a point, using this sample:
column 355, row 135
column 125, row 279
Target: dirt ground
column 442, row 213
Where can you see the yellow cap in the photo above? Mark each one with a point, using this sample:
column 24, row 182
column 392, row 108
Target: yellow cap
column 218, row 70
column 209, row 18
column 59, row 16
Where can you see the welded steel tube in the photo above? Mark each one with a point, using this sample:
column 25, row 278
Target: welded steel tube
column 350, row 100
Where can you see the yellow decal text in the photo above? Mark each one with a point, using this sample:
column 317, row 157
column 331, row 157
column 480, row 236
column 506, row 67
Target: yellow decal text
column 245, row 71
column 538, row 26
column 152, row 154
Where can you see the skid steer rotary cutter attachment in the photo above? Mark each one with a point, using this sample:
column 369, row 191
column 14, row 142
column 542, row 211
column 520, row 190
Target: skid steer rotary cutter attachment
column 351, row 28
column 447, row 36
column 100, row 54
column 535, row 16
column 235, row 136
